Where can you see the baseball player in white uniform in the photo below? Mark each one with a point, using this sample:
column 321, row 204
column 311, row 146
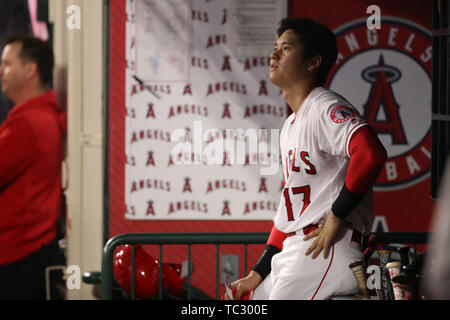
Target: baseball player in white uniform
column 331, row 158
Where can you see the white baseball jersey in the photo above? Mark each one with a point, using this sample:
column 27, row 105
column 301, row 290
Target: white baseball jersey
column 314, row 151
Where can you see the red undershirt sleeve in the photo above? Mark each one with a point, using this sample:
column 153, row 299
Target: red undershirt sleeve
column 276, row 238
column 367, row 157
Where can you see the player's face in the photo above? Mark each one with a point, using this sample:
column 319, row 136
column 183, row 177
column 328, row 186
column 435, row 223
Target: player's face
column 287, row 65
column 13, row 72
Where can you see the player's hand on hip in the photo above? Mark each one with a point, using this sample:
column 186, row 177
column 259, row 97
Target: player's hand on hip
column 242, row 286
column 324, row 236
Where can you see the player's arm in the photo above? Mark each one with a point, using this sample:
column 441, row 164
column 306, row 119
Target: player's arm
column 273, row 246
column 367, row 157
column 262, row 267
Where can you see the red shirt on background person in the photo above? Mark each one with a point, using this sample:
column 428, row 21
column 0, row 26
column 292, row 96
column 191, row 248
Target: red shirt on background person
column 30, row 162
column 30, row 176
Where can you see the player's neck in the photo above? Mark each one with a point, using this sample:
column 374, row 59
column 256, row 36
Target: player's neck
column 295, row 95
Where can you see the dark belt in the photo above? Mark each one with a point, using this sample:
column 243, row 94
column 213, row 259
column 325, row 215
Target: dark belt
column 356, row 235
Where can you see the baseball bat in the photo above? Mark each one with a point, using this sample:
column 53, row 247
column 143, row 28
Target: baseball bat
column 384, row 256
column 398, row 290
column 358, row 272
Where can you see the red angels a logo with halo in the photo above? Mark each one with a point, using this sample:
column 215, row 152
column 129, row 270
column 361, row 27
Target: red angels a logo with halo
column 340, row 114
column 386, row 75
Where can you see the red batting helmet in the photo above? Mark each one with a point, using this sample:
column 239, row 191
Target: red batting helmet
column 146, row 273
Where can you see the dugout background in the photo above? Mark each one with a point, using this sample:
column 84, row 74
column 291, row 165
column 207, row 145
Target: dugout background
column 402, row 198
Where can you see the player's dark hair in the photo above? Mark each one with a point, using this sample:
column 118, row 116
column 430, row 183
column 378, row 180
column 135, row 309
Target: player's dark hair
column 316, row 39
column 35, row 50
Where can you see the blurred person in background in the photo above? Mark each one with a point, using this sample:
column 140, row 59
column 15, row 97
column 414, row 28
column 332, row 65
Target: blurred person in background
column 436, row 282
column 30, row 169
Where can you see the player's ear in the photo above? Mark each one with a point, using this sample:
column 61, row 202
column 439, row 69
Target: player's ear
column 315, row 62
